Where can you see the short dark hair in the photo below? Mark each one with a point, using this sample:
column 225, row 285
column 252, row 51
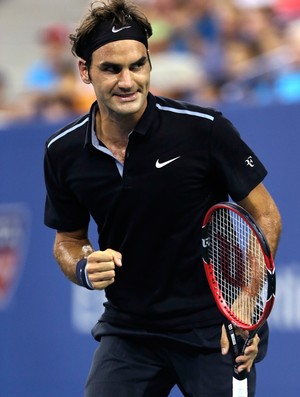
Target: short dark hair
column 119, row 12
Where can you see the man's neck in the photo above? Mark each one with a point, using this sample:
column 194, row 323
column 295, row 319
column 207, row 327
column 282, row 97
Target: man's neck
column 114, row 135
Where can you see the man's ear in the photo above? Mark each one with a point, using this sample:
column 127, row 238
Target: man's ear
column 84, row 72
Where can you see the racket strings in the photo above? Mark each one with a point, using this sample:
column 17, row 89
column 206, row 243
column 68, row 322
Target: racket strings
column 239, row 268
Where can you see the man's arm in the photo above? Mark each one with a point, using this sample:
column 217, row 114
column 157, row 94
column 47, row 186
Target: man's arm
column 262, row 207
column 70, row 247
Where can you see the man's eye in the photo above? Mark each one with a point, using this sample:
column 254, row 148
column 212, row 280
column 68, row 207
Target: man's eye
column 111, row 69
column 136, row 67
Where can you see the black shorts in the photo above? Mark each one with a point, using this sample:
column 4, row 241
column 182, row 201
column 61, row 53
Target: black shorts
column 137, row 363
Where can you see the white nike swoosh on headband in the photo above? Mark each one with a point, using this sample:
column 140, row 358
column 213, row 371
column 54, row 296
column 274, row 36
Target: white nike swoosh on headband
column 116, row 30
column 160, row 165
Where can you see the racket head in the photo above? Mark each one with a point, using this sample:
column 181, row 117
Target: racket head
column 238, row 265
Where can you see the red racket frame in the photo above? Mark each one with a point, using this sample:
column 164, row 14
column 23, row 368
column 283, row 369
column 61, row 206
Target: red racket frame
column 210, row 274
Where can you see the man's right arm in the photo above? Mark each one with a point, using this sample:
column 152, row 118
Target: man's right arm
column 71, row 247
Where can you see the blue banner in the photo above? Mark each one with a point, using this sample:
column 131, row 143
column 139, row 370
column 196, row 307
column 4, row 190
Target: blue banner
column 45, row 321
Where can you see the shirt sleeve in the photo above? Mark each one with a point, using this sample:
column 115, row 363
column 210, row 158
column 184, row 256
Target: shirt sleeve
column 233, row 160
column 62, row 209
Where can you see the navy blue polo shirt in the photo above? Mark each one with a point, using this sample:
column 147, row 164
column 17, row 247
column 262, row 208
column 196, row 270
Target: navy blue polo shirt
column 180, row 160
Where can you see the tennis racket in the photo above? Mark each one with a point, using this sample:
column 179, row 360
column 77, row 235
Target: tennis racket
column 241, row 275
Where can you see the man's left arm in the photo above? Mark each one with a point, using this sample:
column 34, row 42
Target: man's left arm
column 262, row 207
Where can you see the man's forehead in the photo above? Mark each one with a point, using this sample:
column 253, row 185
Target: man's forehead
column 117, row 51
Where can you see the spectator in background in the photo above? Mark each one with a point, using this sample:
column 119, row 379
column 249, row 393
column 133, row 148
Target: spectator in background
column 250, row 56
column 183, row 40
column 230, row 47
column 287, row 9
column 287, row 84
column 4, row 107
column 45, row 73
column 52, row 82
column 233, row 51
column 175, row 73
column 10, row 111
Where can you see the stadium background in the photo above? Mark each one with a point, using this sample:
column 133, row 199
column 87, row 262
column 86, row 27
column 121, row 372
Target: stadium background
column 45, row 342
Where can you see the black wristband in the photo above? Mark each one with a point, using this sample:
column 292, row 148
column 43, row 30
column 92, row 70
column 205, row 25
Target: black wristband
column 80, row 274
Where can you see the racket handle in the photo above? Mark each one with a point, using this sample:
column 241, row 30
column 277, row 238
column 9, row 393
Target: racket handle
column 239, row 375
column 239, row 388
column 234, row 351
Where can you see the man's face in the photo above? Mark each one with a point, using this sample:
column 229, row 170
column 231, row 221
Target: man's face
column 120, row 75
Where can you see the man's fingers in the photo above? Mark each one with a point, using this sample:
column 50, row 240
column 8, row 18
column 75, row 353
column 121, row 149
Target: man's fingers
column 224, row 341
column 100, row 285
column 101, row 266
column 101, row 280
column 246, row 361
column 105, row 256
column 107, row 259
column 118, row 259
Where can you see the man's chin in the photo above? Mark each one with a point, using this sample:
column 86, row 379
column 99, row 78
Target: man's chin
column 129, row 107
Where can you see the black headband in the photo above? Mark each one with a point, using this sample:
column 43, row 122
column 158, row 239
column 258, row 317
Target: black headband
column 108, row 32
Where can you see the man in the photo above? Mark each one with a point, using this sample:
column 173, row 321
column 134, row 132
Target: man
column 147, row 169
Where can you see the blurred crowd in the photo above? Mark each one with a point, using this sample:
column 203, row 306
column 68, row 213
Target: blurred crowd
column 210, row 52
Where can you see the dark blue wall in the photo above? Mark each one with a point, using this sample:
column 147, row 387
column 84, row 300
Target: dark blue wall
column 45, row 342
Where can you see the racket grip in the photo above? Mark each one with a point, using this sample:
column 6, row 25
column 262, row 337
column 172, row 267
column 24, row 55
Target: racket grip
column 239, row 375
column 234, row 351
column 239, row 388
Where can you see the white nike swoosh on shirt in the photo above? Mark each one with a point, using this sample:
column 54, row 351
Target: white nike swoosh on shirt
column 116, row 30
column 160, row 165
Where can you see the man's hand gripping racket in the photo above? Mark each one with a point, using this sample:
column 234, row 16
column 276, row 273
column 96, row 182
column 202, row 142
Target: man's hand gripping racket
column 241, row 275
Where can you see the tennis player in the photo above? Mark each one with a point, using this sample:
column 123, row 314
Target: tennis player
column 146, row 169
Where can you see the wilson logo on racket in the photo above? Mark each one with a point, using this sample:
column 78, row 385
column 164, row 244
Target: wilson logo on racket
column 231, row 261
column 205, row 242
